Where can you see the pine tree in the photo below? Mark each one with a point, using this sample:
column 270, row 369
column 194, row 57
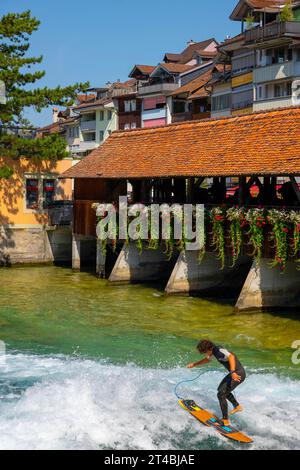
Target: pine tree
column 16, row 72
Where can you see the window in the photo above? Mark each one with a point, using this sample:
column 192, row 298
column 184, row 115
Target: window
column 109, row 115
column 133, row 125
column 88, row 117
column 48, row 192
column 129, row 106
column 74, row 132
column 133, row 105
column 283, row 89
column 89, row 137
column 101, row 116
column 221, row 102
column 101, row 136
column 178, row 107
column 127, row 126
column 32, row 193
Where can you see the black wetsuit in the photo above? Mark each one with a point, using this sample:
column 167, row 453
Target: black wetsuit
column 228, row 384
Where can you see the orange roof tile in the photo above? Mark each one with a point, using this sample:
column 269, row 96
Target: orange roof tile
column 175, row 68
column 255, row 144
column 194, row 85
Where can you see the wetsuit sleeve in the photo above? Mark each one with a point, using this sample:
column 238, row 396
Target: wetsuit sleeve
column 221, row 354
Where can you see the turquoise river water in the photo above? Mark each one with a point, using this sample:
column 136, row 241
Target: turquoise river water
column 93, row 366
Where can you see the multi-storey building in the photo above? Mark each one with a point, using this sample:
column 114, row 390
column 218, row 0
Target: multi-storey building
column 128, row 104
column 264, row 58
column 157, row 85
column 95, row 115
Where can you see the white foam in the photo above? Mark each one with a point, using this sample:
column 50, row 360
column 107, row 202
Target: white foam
column 84, row 404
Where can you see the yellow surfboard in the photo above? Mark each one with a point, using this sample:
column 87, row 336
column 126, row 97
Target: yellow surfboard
column 208, row 419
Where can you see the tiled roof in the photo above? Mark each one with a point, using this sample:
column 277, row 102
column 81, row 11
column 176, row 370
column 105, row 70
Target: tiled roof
column 144, row 69
column 256, row 144
column 93, row 104
column 260, row 4
column 85, row 98
column 173, row 57
column 208, row 54
column 194, row 85
column 176, row 68
column 187, row 54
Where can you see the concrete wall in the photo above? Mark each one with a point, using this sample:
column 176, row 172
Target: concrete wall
column 34, row 245
column 267, row 287
column 205, row 277
column 148, row 266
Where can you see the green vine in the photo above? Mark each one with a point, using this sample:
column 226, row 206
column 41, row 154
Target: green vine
column 256, row 222
column 217, row 216
column 280, row 222
column 236, row 217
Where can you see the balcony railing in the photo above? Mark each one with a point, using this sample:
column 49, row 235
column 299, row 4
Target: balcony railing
column 88, row 126
column 124, row 91
column 274, row 72
column 162, row 88
column 88, row 145
column 180, row 117
column 273, row 30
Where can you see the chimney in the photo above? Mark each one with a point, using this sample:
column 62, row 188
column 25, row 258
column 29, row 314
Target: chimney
column 55, row 112
column 191, row 42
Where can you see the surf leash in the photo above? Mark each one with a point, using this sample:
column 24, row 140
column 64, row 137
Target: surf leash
column 187, row 381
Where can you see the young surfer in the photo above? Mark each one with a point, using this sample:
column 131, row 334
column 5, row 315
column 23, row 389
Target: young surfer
column 236, row 376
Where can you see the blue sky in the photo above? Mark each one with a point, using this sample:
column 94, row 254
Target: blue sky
column 100, row 41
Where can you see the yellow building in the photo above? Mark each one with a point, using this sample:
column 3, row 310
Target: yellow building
column 31, row 202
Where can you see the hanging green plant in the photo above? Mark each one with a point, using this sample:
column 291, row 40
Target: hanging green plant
column 256, row 220
column 236, row 217
column 217, row 216
column 280, row 222
column 169, row 243
column 295, row 221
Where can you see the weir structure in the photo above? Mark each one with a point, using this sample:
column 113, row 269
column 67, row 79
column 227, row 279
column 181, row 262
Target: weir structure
column 244, row 170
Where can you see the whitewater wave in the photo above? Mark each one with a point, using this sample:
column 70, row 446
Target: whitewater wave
column 62, row 403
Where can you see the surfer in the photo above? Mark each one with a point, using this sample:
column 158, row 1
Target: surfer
column 236, row 376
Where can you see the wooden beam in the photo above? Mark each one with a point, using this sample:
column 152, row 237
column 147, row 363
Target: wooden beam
column 295, row 187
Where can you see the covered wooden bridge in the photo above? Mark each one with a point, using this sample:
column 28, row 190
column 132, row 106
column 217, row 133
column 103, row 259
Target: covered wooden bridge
column 247, row 161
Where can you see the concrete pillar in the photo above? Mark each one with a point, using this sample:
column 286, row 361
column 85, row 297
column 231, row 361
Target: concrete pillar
column 169, row 106
column 148, row 266
column 76, row 252
column 100, row 261
column 191, row 276
column 267, row 287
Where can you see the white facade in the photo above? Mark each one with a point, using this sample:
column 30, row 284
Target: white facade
column 94, row 126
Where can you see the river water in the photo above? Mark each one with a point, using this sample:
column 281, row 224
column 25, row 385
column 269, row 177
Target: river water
column 93, row 366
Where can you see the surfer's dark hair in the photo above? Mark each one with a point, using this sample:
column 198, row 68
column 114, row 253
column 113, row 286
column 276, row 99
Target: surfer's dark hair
column 204, row 346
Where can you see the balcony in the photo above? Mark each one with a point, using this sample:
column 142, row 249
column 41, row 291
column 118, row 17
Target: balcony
column 272, row 103
column 180, row 117
column 276, row 72
column 199, row 116
column 88, row 145
column 157, row 88
column 272, row 31
column 87, row 126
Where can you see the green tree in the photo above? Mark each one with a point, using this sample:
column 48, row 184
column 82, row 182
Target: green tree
column 287, row 12
column 19, row 78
